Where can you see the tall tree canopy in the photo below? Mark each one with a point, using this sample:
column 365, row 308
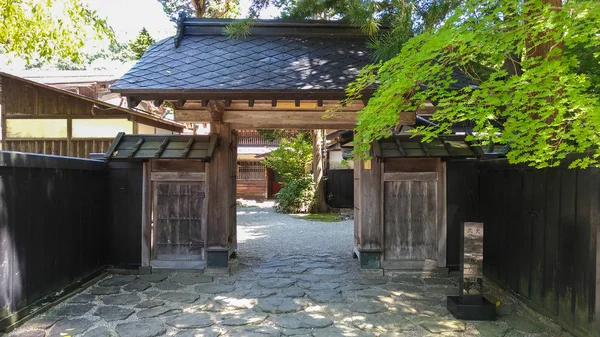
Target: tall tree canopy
column 403, row 19
column 201, row 8
column 141, row 43
column 535, row 94
column 45, row 30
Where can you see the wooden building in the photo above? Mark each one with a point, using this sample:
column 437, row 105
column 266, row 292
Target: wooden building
column 254, row 179
column 38, row 118
column 286, row 75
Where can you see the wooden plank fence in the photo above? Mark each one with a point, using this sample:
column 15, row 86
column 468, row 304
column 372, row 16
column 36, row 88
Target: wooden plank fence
column 541, row 228
column 340, row 188
column 53, row 215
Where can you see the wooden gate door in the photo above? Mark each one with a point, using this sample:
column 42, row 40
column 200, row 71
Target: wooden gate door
column 411, row 217
column 178, row 217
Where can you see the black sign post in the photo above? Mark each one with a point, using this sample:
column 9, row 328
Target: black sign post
column 470, row 304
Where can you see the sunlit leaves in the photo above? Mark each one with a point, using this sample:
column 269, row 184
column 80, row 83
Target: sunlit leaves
column 50, row 29
column 544, row 112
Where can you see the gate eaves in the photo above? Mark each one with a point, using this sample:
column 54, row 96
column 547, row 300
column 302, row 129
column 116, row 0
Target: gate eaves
column 144, row 147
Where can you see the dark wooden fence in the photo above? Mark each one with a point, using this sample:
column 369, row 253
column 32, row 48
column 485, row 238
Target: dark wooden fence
column 540, row 233
column 340, row 188
column 53, row 215
column 125, row 226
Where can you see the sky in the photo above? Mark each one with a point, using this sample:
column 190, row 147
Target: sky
column 127, row 18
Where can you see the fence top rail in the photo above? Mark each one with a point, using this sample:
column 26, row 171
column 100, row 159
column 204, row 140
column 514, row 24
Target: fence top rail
column 33, row 160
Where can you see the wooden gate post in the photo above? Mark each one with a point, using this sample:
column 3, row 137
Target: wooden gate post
column 220, row 198
column 368, row 227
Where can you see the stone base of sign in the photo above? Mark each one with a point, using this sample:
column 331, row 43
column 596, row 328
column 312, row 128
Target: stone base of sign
column 145, row 270
column 485, row 311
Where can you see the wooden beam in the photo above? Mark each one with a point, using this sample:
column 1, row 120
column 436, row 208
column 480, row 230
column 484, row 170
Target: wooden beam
column 114, row 144
column 216, row 110
column 155, row 123
column 178, row 176
column 192, row 116
column 136, row 147
column 400, row 148
column 187, row 149
column 132, row 102
column 217, row 186
column 161, row 148
column 415, row 176
column 290, row 119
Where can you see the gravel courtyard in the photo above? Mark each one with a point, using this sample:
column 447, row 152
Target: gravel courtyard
column 292, row 277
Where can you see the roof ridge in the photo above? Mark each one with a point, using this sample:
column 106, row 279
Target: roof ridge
column 267, row 27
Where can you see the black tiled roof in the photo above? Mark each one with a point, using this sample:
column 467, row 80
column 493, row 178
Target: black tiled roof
column 265, row 60
column 277, row 56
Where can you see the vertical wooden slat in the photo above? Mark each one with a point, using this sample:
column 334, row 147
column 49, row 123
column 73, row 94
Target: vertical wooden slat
column 526, row 234
column 70, row 137
column 582, row 288
column 538, row 221
column 551, row 242
column 146, row 214
column 567, row 243
column 442, row 220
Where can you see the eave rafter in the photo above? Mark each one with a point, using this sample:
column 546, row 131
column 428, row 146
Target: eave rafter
column 297, row 114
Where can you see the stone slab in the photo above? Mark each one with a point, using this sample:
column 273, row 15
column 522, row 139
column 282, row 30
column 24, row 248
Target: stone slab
column 113, row 313
column 190, row 321
column 117, row 281
column 124, row 299
column 141, row 328
column 302, row 321
column 178, row 297
column 70, row 327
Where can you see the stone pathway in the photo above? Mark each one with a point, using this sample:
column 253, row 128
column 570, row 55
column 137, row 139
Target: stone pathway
column 310, row 294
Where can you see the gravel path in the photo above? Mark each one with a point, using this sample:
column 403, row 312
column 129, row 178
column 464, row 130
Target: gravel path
column 264, row 234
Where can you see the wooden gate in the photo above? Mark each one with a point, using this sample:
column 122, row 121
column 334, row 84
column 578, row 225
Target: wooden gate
column 411, row 213
column 178, row 211
column 178, row 221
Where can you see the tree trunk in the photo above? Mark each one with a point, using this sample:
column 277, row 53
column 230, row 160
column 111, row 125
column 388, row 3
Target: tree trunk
column 199, row 8
column 318, row 169
column 542, row 49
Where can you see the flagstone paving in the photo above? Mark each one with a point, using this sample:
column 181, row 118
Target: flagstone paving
column 312, row 294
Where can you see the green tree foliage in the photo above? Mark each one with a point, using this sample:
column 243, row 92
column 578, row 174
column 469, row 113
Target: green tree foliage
column 291, row 158
column 404, row 19
column 141, row 43
column 116, row 53
column 296, row 196
column 542, row 104
column 201, row 8
column 50, row 29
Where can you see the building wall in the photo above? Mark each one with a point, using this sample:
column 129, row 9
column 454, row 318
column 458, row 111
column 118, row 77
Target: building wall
column 37, row 119
column 251, row 180
column 335, row 161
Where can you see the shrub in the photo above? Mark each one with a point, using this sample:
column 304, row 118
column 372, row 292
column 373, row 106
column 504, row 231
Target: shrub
column 291, row 158
column 296, row 196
